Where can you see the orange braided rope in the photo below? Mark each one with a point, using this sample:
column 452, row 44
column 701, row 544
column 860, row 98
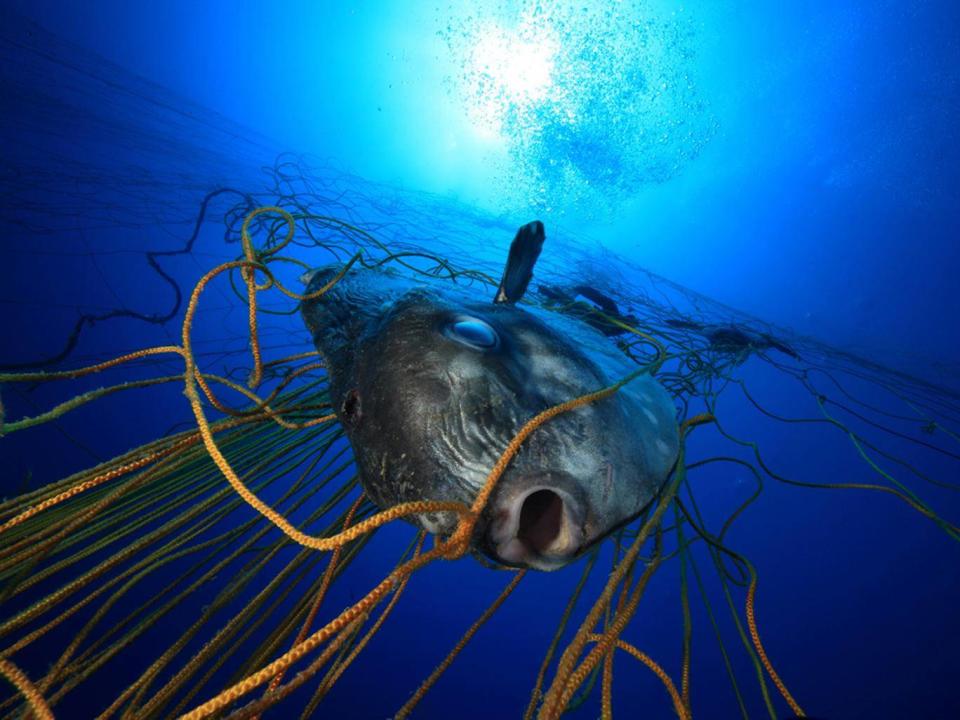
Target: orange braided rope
column 755, row 636
column 275, row 695
column 301, row 538
column 462, row 534
column 536, row 695
column 191, row 438
column 687, row 640
column 408, row 706
column 322, row 592
column 456, row 546
column 259, row 405
column 90, row 369
column 38, row 706
column 248, row 272
column 559, row 691
column 682, row 712
column 550, row 707
column 604, row 646
column 331, row 629
column 94, row 482
column 338, row 669
column 606, row 697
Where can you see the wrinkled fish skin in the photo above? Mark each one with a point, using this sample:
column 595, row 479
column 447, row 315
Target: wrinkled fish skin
column 429, row 405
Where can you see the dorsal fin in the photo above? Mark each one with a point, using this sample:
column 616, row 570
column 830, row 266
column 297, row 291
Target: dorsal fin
column 524, row 251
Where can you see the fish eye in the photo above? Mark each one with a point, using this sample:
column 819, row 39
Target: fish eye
column 473, row 332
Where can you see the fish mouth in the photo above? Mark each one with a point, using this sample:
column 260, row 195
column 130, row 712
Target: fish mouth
column 540, row 527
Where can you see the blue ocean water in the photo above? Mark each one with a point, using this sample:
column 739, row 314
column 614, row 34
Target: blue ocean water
column 795, row 162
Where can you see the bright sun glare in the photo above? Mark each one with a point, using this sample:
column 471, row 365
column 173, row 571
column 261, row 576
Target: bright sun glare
column 513, row 69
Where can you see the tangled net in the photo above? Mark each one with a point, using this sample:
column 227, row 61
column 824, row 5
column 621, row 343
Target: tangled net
column 194, row 575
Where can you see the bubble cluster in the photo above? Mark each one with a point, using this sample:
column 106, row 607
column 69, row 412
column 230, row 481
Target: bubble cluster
column 591, row 101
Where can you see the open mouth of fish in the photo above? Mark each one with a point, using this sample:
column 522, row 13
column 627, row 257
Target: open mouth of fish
column 540, row 526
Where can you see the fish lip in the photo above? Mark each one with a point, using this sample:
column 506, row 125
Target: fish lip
column 500, row 536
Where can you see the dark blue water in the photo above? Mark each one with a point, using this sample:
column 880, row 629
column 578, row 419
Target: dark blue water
column 797, row 163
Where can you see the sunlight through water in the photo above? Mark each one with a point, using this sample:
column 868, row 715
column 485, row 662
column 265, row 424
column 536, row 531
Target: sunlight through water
column 511, row 69
column 591, row 102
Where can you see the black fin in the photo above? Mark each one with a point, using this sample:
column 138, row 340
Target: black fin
column 555, row 294
column 684, row 324
column 524, row 251
column 601, row 300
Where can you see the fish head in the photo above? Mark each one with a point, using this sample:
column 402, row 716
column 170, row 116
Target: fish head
column 435, row 386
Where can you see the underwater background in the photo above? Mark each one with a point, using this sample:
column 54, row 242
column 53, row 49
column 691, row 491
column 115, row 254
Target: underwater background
column 788, row 166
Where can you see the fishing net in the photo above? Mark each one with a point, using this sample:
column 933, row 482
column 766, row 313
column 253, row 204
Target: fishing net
column 228, row 563
column 254, row 514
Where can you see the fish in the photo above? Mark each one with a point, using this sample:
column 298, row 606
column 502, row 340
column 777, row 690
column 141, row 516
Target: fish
column 601, row 311
column 432, row 379
column 733, row 339
column 684, row 324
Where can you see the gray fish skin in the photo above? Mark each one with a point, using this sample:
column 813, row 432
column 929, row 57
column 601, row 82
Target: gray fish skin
column 428, row 411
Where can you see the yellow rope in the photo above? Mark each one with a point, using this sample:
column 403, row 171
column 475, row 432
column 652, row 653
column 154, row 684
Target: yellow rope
column 322, row 592
column 408, row 706
column 191, row 373
column 536, row 695
column 254, row 259
column 566, row 677
column 38, row 706
column 90, row 369
column 755, row 636
column 572, row 652
column 259, row 404
column 662, row 355
column 569, row 686
column 94, row 482
column 275, row 695
column 248, row 274
column 338, row 670
column 606, row 697
column 461, row 537
column 678, row 706
column 456, row 546
column 189, row 439
column 292, row 358
column 695, row 421
column 196, row 387
column 331, row 629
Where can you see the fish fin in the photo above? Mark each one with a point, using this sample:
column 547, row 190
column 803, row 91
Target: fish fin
column 524, row 251
column 603, row 301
